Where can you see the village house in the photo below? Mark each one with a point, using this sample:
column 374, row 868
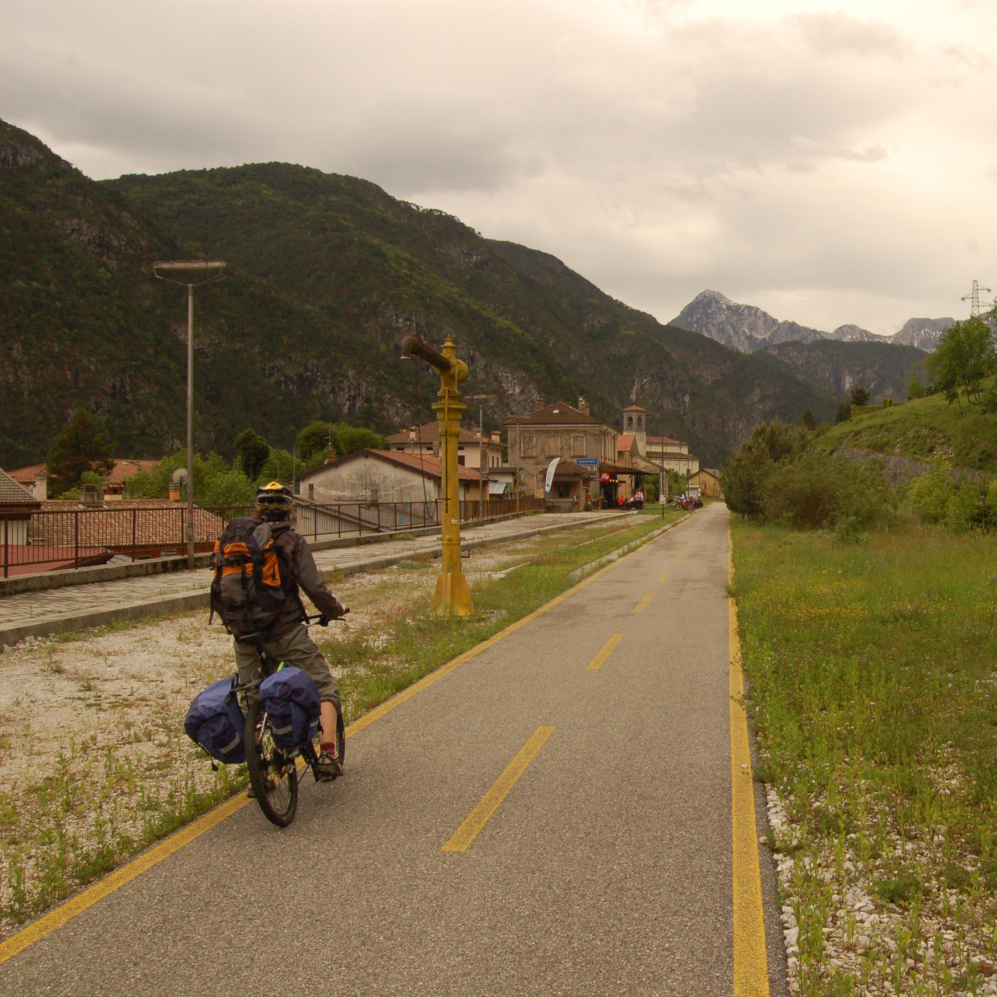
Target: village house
column 374, row 476
column 588, row 468
column 16, row 506
column 708, row 480
column 470, row 445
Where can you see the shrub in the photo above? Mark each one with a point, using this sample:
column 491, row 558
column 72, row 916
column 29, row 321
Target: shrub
column 743, row 479
column 821, row 490
column 929, row 495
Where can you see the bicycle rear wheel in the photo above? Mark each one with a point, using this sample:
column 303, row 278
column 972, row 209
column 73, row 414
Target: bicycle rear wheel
column 272, row 774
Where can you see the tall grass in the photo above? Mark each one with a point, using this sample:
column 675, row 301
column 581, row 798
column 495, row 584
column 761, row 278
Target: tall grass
column 874, row 699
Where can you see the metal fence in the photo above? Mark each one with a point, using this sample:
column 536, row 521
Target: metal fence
column 75, row 538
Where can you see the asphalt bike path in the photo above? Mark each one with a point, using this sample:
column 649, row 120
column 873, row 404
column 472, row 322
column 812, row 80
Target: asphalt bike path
column 551, row 817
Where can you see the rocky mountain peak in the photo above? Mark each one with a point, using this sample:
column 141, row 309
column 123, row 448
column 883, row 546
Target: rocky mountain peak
column 747, row 328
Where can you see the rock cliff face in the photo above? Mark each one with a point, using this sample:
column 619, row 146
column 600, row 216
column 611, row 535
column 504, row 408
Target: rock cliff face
column 922, row 332
column 837, row 367
column 747, row 328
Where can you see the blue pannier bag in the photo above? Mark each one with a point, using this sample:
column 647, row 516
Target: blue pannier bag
column 290, row 698
column 215, row 722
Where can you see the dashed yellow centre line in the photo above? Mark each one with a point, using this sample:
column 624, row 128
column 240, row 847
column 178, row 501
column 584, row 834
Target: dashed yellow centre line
column 49, row 922
column 461, row 839
column 675, row 560
column 607, row 649
column 643, row 602
column 663, row 576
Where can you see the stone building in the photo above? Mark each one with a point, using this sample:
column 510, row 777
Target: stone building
column 656, row 452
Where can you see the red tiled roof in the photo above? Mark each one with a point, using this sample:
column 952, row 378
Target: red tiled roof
column 430, row 466
column 624, row 443
column 558, row 414
column 149, row 522
column 430, row 433
column 634, row 408
column 664, row 439
column 124, row 468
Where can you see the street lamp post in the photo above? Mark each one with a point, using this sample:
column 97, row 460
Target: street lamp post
column 210, row 271
column 481, row 399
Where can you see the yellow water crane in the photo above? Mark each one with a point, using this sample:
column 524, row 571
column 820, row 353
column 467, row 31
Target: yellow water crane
column 452, row 596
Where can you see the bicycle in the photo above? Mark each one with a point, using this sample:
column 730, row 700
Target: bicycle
column 273, row 770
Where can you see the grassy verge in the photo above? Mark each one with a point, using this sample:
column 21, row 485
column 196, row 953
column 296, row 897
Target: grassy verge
column 373, row 672
column 874, row 700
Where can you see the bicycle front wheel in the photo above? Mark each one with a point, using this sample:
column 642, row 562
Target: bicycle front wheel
column 272, row 773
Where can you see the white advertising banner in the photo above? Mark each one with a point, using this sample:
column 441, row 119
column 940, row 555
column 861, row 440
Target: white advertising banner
column 551, row 468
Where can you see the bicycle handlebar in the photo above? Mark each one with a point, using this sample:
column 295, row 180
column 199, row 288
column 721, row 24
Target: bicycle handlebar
column 327, row 619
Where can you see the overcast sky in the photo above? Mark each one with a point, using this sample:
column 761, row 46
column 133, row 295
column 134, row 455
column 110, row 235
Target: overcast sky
column 831, row 162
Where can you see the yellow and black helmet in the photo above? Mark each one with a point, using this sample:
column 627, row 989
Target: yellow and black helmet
column 274, row 496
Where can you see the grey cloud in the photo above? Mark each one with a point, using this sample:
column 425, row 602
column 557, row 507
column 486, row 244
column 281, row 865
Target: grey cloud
column 655, row 152
column 838, row 32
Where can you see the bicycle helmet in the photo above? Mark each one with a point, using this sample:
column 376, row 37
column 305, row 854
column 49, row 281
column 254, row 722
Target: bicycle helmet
column 274, row 498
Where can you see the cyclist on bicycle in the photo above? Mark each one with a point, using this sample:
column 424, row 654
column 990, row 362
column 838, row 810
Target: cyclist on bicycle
column 289, row 640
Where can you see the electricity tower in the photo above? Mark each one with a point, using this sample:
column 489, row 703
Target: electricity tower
column 974, row 298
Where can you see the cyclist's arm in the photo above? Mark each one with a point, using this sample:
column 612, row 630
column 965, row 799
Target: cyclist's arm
column 310, row 579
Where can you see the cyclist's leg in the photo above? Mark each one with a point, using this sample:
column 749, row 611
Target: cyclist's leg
column 298, row 649
column 247, row 662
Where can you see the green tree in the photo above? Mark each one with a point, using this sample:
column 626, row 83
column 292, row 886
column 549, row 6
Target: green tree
column 808, row 421
column 314, row 439
column 253, row 452
column 915, row 389
column 844, row 413
column 860, row 396
column 744, row 477
column 82, row 446
column 215, row 481
column 350, row 439
column 963, row 357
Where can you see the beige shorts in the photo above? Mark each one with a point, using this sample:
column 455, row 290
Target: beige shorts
column 298, row 649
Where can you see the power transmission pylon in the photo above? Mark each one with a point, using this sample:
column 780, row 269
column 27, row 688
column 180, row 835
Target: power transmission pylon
column 974, row 298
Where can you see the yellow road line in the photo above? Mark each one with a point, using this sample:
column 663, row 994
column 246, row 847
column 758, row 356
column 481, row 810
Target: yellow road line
column 663, row 576
column 90, row 896
column 751, row 976
column 600, row 659
column 461, row 839
column 643, row 602
column 675, row 560
column 118, row 878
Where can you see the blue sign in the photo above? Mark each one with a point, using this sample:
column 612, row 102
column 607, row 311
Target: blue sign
column 587, row 461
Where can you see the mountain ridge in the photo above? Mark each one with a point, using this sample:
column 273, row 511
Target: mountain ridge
column 327, row 273
column 749, row 328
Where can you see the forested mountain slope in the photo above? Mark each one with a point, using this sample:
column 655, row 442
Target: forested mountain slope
column 328, row 273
